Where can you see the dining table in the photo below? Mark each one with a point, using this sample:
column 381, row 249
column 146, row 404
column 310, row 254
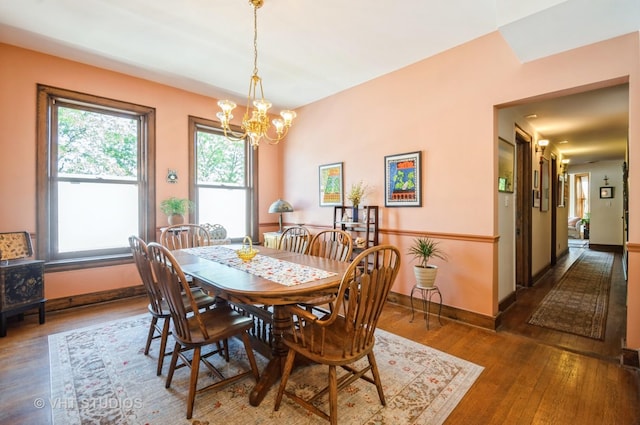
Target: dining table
column 273, row 278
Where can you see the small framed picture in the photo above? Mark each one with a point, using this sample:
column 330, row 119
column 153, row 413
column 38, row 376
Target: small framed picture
column 330, row 184
column 606, row 192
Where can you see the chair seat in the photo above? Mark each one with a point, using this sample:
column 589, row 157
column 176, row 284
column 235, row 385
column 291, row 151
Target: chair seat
column 334, row 345
column 202, row 300
column 221, row 323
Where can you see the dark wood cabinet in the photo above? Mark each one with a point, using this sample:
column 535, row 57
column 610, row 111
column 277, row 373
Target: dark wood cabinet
column 21, row 289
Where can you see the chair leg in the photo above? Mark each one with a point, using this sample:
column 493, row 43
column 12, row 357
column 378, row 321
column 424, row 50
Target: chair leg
column 172, row 366
column 152, row 329
column 288, row 365
column 193, row 381
column 163, row 345
column 333, row 395
column 250, row 355
column 376, row 377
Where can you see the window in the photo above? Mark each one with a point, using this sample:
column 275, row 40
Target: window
column 222, row 178
column 95, row 180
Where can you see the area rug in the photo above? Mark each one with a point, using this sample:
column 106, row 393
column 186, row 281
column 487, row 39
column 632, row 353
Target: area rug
column 100, row 375
column 578, row 303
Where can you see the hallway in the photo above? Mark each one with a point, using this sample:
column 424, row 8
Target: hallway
column 514, row 319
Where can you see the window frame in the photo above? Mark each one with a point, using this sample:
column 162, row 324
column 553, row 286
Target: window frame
column 251, row 168
column 49, row 97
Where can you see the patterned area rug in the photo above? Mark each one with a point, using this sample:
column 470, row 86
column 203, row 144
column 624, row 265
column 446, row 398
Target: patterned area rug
column 578, row 303
column 100, row 375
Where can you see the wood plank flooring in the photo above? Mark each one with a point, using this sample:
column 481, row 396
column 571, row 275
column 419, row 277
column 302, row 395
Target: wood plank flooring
column 531, row 376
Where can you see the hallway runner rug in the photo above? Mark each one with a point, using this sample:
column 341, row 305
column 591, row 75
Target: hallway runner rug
column 578, row 303
column 101, row 375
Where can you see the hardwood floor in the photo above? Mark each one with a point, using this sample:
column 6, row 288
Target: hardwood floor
column 531, row 376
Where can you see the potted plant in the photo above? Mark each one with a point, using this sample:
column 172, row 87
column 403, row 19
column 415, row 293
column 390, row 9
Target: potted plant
column 356, row 195
column 585, row 221
column 175, row 209
column 422, row 250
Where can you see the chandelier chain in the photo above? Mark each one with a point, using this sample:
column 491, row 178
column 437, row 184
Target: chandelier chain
column 255, row 41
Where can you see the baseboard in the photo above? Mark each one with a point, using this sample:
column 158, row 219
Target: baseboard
column 468, row 317
column 507, row 302
column 94, row 298
column 606, row 248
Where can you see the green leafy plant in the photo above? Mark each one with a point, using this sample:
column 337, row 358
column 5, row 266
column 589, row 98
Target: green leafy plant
column 173, row 205
column 424, row 248
column 357, row 193
column 586, row 218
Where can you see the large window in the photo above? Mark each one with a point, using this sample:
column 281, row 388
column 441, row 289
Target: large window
column 94, row 174
column 222, row 180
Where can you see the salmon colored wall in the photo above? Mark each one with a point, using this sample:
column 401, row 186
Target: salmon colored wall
column 444, row 107
column 20, row 71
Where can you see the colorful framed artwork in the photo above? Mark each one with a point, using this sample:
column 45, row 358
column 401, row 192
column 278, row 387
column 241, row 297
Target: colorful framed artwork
column 330, row 184
column 403, row 180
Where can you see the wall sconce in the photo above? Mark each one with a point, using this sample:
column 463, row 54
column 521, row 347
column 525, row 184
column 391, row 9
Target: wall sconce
column 564, row 166
column 540, row 146
column 172, row 176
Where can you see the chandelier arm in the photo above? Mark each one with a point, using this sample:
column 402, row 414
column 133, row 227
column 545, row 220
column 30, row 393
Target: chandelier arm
column 233, row 135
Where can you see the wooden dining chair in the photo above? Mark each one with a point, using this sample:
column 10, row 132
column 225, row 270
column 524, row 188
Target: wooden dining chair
column 295, row 239
column 347, row 334
column 158, row 307
column 180, row 236
column 334, row 244
column 194, row 330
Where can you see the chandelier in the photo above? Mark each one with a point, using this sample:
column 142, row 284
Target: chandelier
column 255, row 122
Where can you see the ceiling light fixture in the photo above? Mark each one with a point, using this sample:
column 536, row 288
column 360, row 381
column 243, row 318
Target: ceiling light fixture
column 255, row 122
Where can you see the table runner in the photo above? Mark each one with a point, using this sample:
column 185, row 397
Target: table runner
column 276, row 270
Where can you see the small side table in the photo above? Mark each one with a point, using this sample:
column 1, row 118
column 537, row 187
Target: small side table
column 427, row 293
column 21, row 288
column 271, row 239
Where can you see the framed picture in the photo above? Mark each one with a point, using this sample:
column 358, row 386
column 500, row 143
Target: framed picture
column 535, row 179
column 606, row 191
column 402, row 180
column 562, row 191
column 536, row 198
column 506, row 154
column 330, row 184
column 544, row 185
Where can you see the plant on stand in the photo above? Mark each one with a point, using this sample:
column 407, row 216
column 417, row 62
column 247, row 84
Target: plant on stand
column 585, row 220
column 423, row 249
column 175, row 209
column 357, row 193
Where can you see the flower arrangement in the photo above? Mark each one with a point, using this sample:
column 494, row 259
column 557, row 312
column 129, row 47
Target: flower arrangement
column 357, row 193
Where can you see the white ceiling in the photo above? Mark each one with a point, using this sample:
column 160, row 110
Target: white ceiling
column 308, row 49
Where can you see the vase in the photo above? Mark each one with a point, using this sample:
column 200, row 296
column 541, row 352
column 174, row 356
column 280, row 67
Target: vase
column 425, row 276
column 354, row 215
column 174, row 219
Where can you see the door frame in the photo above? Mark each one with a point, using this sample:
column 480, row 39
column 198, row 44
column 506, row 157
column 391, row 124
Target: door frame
column 523, row 227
